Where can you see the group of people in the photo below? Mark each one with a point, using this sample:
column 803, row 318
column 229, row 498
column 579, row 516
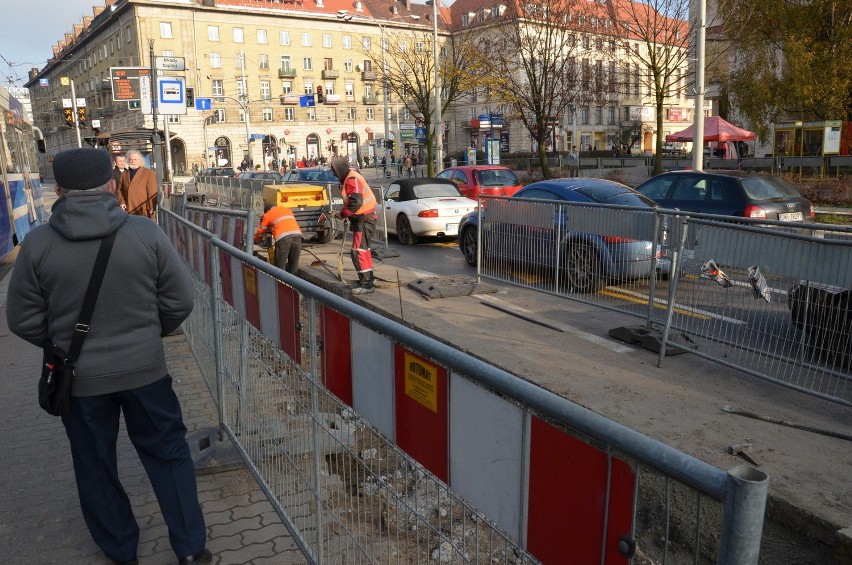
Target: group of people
column 134, row 185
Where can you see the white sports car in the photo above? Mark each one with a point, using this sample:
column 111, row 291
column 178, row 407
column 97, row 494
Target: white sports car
column 424, row 207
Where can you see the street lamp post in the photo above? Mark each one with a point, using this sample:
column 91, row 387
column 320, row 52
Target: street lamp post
column 439, row 130
column 244, row 108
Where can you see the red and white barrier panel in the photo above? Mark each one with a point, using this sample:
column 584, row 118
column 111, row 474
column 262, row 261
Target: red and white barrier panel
column 540, row 484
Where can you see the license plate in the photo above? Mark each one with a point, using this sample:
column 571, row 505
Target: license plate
column 452, row 228
column 790, row 217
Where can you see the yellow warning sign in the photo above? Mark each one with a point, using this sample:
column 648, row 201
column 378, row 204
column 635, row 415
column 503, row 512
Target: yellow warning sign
column 249, row 277
column 421, row 382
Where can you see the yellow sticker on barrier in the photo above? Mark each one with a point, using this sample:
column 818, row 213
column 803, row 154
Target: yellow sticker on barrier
column 421, row 382
column 249, row 277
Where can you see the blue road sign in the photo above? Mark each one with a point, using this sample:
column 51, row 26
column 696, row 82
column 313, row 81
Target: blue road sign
column 257, row 136
column 202, row 104
column 420, row 134
column 307, row 101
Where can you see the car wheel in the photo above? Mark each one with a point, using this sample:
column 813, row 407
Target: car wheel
column 324, row 236
column 403, row 231
column 583, row 268
column 468, row 243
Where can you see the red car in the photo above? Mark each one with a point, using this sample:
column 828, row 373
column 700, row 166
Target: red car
column 491, row 180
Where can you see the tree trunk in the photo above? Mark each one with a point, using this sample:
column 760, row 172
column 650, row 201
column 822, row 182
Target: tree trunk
column 542, row 153
column 658, row 149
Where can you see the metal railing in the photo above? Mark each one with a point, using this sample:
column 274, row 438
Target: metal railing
column 769, row 298
column 510, row 474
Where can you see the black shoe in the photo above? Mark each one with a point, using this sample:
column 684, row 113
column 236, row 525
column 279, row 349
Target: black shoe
column 133, row 561
column 202, row 556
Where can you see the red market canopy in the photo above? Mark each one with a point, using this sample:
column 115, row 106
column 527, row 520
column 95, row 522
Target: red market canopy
column 715, row 129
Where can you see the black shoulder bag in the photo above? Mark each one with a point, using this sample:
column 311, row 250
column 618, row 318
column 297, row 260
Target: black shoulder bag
column 57, row 369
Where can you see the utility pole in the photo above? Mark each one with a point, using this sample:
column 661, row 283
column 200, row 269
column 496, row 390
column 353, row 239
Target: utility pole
column 698, row 128
column 74, row 108
column 156, row 140
column 245, row 105
column 439, row 127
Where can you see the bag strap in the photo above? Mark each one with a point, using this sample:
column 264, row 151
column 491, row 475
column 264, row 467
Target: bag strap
column 82, row 327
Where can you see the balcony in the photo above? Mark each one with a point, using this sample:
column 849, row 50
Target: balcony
column 330, row 73
column 290, row 99
column 370, row 100
column 368, row 75
column 287, row 72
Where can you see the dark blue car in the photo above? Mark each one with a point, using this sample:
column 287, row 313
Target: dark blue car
column 586, row 260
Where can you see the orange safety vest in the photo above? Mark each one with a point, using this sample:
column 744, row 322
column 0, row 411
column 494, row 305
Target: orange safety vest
column 354, row 184
column 281, row 220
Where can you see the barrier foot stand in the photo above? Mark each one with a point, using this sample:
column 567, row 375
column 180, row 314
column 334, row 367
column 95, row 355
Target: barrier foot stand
column 210, row 455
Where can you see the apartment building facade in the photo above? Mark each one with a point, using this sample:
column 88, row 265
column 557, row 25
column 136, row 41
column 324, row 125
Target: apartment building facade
column 259, row 61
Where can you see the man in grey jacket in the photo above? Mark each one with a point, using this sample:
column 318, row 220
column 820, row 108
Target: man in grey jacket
column 146, row 293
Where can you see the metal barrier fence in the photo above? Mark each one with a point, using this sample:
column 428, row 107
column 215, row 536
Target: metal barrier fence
column 769, row 298
column 377, row 444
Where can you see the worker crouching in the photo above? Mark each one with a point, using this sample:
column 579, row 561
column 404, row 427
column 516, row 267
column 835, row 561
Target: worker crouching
column 286, row 234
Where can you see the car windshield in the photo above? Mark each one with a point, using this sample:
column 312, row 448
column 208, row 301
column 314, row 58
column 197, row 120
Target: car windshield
column 497, row 177
column 320, row 174
column 615, row 195
column 435, row 190
column 767, row 188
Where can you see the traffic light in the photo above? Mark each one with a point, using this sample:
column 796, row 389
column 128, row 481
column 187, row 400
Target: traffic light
column 69, row 116
column 190, row 97
column 81, row 115
column 390, row 144
column 320, row 95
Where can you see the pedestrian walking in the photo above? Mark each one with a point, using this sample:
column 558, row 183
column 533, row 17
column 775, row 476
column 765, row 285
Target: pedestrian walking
column 137, row 191
column 409, row 165
column 286, row 234
column 146, row 293
column 359, row 209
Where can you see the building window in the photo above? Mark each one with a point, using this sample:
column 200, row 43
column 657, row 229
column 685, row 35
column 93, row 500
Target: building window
column 238, row 60
column 168, row 53
column 584, row 119
column 347, row 42
column 371, row 113
column 347, row 65
column 262, row 37
column 326, row 40
column 265, row 90
column 351, row 114
column 218, row 115
column 307, row 40
column 350, row 90
column 242, row 116
column 332, row 114
column 312, row 114
column 286, row 63
column 328, row 64
column 611, row 115
column 289, row 114
column 329, row 87
column 309, row 87
column 239, row 36
column 443, row 52
column 366, row 43
column 212, row 33
column 418, row 47
column 218, row 88
column 215, row 60
column 263, row 61
column 241, row 87
column 598, row 115
column 308, row 63
column 173, row 119
column 166, row 30
column 267, row 114
column 287, row 87
column 284, row 37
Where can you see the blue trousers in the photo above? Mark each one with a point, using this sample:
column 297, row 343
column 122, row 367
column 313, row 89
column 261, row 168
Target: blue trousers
column 155, row 426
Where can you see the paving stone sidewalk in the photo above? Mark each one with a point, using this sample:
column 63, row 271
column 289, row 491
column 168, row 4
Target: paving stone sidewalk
column 40, row 520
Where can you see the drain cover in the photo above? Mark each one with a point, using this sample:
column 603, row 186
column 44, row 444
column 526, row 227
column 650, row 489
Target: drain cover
column 445, row 287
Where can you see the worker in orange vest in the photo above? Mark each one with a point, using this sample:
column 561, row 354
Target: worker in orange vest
column 287, row 236
column 359, row 209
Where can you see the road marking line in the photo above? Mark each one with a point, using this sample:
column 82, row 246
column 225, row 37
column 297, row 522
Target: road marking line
column 686, row 310
column 597, row 340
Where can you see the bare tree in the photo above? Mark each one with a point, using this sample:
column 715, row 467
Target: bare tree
column 408, row 69
column 537, row 68
column 655, row 36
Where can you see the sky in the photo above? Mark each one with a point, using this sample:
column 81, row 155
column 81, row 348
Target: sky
column 30, row 30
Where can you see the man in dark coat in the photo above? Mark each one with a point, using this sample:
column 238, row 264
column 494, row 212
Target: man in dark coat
column 146, row 294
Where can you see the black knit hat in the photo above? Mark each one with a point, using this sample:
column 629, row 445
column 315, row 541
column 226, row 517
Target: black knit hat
column 81, row 169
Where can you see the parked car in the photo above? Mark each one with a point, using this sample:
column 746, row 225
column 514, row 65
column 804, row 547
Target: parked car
column 492, row 180
column 823, row 313
column 311, row 174
column 588, row 260
column 218, row 172
column 424, row 207
column 271, row 176
column 729, row 193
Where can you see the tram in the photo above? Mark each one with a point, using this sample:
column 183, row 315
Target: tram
column 21, row 207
